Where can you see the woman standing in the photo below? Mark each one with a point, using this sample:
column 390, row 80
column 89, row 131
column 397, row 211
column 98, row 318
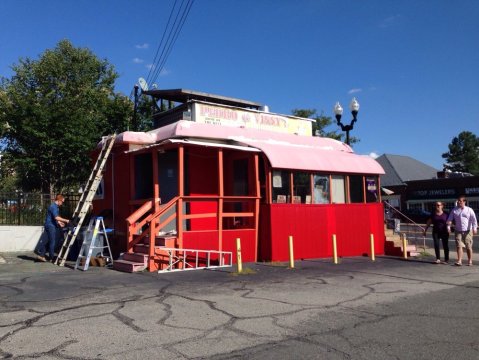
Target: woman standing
column 438, row 220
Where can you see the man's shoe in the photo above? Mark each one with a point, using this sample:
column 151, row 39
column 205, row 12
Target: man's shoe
column 438, row 261
column 41, row 258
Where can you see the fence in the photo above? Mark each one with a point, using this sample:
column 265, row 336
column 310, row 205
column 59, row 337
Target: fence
column 19, row 208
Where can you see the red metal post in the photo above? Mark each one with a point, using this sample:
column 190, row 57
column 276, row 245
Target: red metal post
column 181, row 193
column 256, row 207
column 220, row 200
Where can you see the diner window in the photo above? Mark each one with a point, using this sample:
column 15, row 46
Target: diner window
column 372, row 189
column 321, row 189
column 280, row 180
column 143, row 176
column 301, row 188
column 356, row 189
column 338, row 190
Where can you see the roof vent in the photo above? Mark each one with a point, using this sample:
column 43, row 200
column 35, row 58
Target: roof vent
column 264, row 108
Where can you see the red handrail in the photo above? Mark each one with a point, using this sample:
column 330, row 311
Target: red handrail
column 142, row 210
column 134, row 224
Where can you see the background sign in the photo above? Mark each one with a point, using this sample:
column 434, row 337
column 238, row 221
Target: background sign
column 226, row 116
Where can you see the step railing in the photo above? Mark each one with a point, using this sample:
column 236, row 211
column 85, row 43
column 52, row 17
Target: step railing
column 137, row 222
column 413, row 231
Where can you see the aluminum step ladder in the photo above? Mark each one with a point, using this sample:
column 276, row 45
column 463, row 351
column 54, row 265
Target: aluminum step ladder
column 92, row 244
column 84, row 204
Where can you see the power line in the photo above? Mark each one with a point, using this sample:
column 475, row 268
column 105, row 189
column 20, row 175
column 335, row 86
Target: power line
column 175, row 37
column 166, row 46
column 161, row 42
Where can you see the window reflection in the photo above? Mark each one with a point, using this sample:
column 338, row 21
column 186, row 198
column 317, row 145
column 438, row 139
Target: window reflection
column 301, row 188
column 356, row 189
column 321, row 189
column 338, row 193
column 280, row 181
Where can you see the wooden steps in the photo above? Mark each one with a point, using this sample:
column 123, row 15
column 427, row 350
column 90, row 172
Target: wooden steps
column 394, row 245
column 137, row 260
column 128, row 266
column 393, row 249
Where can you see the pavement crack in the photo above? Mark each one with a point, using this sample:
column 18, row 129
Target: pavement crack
column 125, row 319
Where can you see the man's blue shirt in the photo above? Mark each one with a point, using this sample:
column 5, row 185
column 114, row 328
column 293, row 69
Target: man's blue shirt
column 52, row 212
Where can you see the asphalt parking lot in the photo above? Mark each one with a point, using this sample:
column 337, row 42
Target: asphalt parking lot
column 357, row 309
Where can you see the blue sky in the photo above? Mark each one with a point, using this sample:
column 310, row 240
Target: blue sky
column 412, row 64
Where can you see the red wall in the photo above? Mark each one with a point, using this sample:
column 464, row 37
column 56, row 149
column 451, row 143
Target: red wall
column 202, row 180
column 312, row 227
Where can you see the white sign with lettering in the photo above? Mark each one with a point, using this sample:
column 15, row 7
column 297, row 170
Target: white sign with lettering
column 225, row 116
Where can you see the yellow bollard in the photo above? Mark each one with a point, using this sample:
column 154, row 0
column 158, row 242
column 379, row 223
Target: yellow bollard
column 404, row 246
column 238, row 255
column 291, row 254
column 335, row 250
column 373, row 257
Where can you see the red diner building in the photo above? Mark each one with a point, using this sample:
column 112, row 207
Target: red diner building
column 215, row 169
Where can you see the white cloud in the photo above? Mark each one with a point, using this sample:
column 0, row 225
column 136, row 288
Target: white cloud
column 373, row 154
column 390, row 21
column 138, row 60
column 353, row 91
column 163, row 72
column 142, row 46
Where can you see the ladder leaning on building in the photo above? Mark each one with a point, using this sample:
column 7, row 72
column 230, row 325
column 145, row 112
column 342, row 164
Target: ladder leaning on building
column 84, row 204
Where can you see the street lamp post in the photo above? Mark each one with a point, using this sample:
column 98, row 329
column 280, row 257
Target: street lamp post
column 338, row 112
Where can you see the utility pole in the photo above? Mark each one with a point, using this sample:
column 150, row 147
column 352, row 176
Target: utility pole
column 135, row 109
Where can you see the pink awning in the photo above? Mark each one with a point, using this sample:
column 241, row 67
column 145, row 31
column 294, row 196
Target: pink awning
column 284, row 151
column 308, row 157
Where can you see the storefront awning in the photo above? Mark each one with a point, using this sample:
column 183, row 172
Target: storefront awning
column 212, row 144
column 284, row 151
column 296, row 156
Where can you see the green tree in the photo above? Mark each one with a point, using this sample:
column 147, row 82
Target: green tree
column 56, row 109
column 145, row 110
column 463, row 154
column 321, row 123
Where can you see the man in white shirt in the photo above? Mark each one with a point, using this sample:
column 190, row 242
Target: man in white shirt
column 465, row 227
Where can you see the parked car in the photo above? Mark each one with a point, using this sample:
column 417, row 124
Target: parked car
column 417, row 215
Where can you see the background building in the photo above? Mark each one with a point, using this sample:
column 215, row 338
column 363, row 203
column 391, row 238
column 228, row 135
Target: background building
column 413, row 187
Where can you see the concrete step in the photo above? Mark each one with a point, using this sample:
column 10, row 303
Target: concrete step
column 141, row 248
column 392, row 248
column 135, row 257
column 168, row 241
column 128, row 266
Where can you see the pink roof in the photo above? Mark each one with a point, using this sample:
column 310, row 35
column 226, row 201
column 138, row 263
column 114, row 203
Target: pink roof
column 284, row 151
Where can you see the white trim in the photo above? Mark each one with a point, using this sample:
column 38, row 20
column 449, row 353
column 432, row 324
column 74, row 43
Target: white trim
column 213, row 144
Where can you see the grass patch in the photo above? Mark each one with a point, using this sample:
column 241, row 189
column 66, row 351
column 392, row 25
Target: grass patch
column 246, row 271
column 425, row 254
column 277, row 263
